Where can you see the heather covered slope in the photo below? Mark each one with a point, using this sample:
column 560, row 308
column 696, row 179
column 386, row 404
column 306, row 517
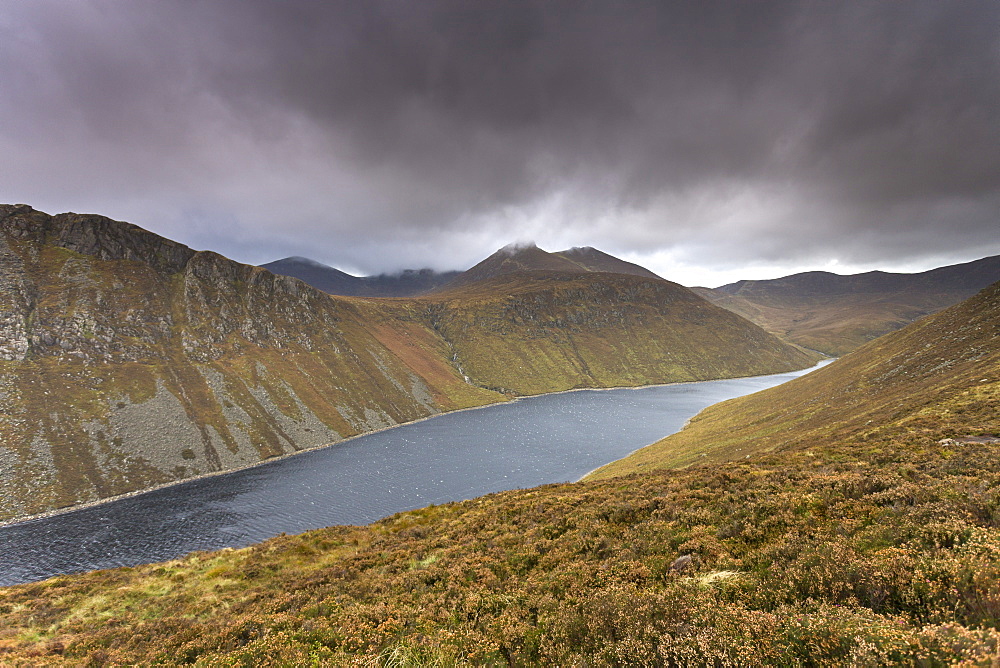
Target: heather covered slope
column 540, row 331
column 869, row 538
column 836, row 314
column 941, row 370
column 128, row 360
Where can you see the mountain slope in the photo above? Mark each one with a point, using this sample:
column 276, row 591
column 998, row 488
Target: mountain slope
column 128, row 360
column 869, row 537
column 940, row 370
column 317, row 274
column 132, row 361
column 335, row 282
column 592, row 259
column 835, row 314
column 540, row 331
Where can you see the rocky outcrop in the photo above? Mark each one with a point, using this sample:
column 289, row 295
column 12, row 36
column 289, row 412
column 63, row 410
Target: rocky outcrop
column 17, row 302
column 94, row 236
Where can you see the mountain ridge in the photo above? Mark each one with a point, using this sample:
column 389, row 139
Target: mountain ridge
column 836, row 314
column 968, row 275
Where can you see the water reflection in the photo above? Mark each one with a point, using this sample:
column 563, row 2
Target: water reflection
column 457, row 456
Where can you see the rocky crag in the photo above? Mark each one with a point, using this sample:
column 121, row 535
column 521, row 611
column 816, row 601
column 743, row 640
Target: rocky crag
column 128, row 360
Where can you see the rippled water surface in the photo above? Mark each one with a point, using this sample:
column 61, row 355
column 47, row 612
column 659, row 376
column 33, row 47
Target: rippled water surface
column 552, row 438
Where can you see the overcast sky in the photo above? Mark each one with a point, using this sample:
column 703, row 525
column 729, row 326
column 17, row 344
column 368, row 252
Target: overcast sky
column 708, row 141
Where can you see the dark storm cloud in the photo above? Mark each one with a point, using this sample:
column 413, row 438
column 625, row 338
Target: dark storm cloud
column 381, row 134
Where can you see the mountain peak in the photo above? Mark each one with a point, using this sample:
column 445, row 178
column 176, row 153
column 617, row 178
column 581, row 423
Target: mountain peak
column 298, row 259
column 516, row 247
column 524, row 256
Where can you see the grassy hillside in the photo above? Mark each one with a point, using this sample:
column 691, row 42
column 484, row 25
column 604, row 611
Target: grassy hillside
column 937, row 374
column 539, row 331
column 836, row 314
column 128, row 360
column 867, row 536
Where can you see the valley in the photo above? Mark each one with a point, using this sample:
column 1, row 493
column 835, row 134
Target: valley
column 849, row 514
column 131, row 361
column 377, row 334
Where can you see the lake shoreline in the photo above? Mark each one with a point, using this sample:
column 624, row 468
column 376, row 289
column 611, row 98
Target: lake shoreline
column 819, row 364
column 213, row 474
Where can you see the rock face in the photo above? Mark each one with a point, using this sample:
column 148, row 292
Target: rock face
column 128, row 360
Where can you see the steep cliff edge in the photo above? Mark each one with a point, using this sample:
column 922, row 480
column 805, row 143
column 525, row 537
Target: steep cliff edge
column 128, row 360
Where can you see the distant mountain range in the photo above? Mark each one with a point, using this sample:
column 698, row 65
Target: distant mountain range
column 818, row 310
column 413, row 282
column 128, row 360
column 835, row 314
column 407, row 283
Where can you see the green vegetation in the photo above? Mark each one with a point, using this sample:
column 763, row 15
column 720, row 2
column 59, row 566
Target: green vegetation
column 861, row 531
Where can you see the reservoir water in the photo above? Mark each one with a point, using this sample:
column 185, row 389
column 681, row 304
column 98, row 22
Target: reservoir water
column 455, row 456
